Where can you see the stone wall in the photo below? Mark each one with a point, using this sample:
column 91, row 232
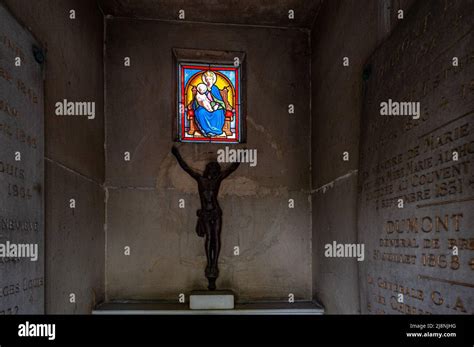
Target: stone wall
column 21, row 170
column 74, row 150
column 167, row 257
column 416, row 202
column 353, row 29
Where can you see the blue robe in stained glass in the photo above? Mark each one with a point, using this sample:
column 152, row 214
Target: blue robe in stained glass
column 210, row 123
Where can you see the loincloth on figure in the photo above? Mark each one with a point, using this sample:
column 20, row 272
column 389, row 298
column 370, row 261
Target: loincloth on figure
column 206, row 216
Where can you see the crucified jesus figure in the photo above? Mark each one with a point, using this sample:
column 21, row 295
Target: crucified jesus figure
column 209, row 222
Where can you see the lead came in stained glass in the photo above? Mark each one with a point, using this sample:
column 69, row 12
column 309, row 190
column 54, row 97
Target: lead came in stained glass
column 209, row 103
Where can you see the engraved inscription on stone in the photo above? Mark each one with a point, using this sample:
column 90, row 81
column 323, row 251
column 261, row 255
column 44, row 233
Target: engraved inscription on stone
column 416, row 182
column 21, row 170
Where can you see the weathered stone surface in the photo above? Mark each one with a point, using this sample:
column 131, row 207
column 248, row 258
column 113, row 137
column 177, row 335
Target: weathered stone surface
column 75, row 241
column 141, row 107
column 274, row 239
column 74, row 147
column 21, row 168
column 249, row 12
column 350, row 29
column 167, row 257
column 335, row 281
column 410, row 250
column 73, row 71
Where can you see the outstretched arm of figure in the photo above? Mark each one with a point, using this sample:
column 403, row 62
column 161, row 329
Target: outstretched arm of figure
column 183, row 164
column 229, row 170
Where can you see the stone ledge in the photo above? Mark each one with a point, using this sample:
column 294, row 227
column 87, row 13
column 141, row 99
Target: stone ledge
column 165, row 308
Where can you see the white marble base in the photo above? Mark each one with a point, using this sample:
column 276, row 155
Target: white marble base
column 207, row 300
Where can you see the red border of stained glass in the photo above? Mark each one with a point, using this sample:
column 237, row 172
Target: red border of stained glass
column 183, row 102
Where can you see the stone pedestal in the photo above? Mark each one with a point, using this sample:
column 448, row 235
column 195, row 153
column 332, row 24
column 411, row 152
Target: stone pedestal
column 211, row 300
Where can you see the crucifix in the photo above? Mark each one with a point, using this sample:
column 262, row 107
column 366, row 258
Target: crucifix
column 209, row 222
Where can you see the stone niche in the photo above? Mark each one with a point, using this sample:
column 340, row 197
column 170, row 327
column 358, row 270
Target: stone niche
column 416, row 185
column 21, row 168
column 142, row 208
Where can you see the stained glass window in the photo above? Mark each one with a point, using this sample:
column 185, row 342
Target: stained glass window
column 209, row 103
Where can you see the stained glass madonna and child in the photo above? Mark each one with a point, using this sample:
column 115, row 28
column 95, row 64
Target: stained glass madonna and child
column 209, row 103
